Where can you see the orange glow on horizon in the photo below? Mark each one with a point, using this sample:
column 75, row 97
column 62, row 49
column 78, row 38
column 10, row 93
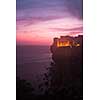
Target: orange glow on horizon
column 43, row 32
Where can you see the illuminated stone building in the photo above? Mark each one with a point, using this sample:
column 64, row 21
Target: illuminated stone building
column 65, row 41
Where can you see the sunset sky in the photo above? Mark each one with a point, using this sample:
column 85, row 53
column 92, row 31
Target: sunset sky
column 39, row 21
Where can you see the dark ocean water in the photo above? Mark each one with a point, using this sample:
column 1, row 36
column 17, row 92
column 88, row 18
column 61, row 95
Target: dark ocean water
column 32, row 62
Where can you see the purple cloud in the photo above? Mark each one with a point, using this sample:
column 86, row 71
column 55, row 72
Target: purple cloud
column 38, row 8
column 79, row 29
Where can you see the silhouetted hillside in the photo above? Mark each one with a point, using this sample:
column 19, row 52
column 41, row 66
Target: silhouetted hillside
column 68, row 65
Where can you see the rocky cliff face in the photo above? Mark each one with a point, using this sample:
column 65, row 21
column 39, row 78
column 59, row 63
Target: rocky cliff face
column 68, row 65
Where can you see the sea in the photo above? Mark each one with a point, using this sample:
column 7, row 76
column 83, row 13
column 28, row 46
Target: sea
column 32, row 62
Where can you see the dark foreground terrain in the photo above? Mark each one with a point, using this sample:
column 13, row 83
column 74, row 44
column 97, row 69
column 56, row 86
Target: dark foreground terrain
column 64, row 80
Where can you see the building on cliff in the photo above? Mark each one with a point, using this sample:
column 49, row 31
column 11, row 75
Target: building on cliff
column 65, row 41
